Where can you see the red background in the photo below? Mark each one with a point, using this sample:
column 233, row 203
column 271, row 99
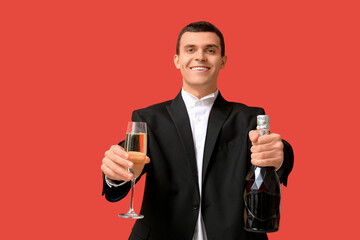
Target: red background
column 72, row 72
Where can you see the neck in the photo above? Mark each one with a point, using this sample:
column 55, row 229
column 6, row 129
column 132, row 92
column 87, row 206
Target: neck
column 200, row 92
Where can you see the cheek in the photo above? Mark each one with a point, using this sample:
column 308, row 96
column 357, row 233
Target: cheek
column 185, row 61
column 219, row 66
column 183, row 71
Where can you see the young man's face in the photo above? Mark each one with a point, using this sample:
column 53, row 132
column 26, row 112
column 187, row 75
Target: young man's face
column 200, row 60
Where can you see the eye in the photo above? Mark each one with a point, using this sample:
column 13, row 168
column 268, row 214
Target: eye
column 210, row 50
column 189, row 50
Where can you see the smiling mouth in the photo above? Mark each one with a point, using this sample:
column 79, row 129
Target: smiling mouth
column 200, row 69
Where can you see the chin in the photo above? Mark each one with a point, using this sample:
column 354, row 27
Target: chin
column 201, row 80
column 198, row 83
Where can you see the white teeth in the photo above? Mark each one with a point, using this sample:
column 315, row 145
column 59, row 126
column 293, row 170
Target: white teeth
column 199, row 68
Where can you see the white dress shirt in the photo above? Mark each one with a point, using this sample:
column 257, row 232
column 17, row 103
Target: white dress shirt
column 199, row 111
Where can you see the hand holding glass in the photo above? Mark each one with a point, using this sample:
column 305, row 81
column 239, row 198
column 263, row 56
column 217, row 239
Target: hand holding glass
column 135, row 145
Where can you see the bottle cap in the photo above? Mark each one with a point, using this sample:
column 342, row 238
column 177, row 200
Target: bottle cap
column 263, row 122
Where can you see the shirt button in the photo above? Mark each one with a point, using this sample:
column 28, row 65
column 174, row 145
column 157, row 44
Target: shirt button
column 198, row 103
column 199, row 119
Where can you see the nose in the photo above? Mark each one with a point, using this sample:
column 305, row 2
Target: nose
column 200, row 56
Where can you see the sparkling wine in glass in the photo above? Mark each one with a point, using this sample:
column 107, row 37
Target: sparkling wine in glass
column 135, row 145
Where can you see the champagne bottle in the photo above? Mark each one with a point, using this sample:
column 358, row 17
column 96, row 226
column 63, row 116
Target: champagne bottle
column 262, row 192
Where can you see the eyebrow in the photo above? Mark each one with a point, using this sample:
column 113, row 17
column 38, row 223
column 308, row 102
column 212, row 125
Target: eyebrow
column 207, row 45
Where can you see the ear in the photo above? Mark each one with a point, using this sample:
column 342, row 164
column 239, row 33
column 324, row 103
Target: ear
column 223, row 62
column 176, row 61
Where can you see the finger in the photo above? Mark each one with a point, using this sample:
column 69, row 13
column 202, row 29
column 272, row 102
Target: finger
column 118, row 150
column 137, row 157
column 275, row 162
column 267, row 147
column 272, row 137
column 125, row 163
column 147, row 160
column 115, row 176
column 109, row 173
column 114, row 171
column 267, row 155
column 254, row 135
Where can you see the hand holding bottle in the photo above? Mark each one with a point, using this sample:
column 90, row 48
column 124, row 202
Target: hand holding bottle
column 262, row 189
column 267, row 150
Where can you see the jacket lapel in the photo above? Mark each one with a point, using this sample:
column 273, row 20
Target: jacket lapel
column 179, row 116
column 219, row 113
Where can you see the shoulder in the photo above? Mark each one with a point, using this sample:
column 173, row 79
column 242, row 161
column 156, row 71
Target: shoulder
column 244, row 109
column 237, row 107
column 242, row 118
column 158, row 107
column 155, row 110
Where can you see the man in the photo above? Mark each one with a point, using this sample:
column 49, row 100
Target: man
column 200, row 148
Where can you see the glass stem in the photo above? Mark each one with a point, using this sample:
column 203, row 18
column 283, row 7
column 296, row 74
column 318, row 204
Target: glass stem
column 132, row 194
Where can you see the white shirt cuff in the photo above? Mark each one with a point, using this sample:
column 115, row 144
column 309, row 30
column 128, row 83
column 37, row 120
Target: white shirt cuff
column 110, row 183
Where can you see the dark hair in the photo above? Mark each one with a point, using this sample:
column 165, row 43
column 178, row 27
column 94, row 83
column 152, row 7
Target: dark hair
column 201, row 27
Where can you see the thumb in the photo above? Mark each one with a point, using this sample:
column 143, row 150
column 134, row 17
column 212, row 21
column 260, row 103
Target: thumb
column 254, row 136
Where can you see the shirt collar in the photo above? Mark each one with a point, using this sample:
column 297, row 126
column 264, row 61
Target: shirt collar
column 191, row 100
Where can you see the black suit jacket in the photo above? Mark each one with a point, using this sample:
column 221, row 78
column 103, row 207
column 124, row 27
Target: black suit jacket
column 171, row 198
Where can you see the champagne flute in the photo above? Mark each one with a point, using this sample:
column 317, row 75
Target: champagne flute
column 135, row 145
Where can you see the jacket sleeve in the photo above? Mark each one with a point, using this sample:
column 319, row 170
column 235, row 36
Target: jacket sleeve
column 288, row 163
